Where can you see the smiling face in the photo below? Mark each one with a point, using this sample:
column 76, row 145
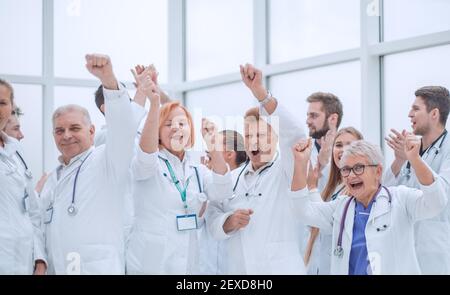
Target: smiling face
column 12, row 128
column 260, row 142
column 72, row 134
column 364, row 185
column 175, row 131
column 420, row 117
column 340, row 142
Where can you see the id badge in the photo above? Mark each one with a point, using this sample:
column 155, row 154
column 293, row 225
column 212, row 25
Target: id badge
column 187, row 222
column 48, row 215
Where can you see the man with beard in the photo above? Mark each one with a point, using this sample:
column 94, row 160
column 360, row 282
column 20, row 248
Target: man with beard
column 428, row 117
column 323, row 119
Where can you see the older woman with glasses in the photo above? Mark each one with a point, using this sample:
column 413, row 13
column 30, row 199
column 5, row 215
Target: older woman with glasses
column 372, row 227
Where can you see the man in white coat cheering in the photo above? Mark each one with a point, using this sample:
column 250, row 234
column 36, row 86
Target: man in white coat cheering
column 83, row 198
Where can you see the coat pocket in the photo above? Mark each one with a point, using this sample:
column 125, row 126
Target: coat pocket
column 145, row 253
column 100, row 259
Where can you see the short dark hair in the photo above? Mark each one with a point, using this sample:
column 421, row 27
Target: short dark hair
column 436, row 97
column 9, row 87
column 100, row 98
column 234, row 141
column 330, row 102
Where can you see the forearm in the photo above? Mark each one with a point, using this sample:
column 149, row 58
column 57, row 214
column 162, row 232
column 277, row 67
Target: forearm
column 299, row 177
column 140, row 98
column 164, row 97
column 150, row 134
column 397, row 166
column 423, row 172
column 218, row 163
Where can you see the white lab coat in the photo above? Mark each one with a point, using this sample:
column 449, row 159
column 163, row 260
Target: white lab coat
column 432, row 236
column 155, row 245
column 100, row 139
column 270, row 243
column 92, row 241
column 390, row 251
column 21, row 234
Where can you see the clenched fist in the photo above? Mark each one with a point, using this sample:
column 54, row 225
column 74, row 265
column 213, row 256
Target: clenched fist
column 100, row 66
column 239, row 219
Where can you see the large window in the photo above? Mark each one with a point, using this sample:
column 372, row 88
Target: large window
column 21, row 48
column 409, row 18
column 219, row 36
column 304, row 28
column 404, row 74
column 131, row 32
column 343, row 80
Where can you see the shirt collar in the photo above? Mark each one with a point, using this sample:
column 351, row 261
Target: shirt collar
column 172, row 158
column 250, row 169
column 11, row 144
column 75, row 159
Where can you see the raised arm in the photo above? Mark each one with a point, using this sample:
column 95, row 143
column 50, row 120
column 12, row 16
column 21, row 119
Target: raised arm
column 432, row 199
column 119, row 118
column 289, row 128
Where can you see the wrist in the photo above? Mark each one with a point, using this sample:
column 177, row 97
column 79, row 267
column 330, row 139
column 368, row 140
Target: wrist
column 260, row 93
column 110, row 83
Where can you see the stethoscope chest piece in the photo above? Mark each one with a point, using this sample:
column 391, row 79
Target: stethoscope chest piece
column 28, row 174
column 72, row 210
column 339, row 252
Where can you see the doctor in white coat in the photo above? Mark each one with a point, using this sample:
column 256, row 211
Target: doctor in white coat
column 83, row 198
column 169, row 191
column 21, row 236
column 373, row 227
column 428, row 115
column 259, row 232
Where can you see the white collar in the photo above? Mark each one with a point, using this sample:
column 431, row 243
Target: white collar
column 75, row 158
column 164, row 153
column 250, row 169
column 11, row 144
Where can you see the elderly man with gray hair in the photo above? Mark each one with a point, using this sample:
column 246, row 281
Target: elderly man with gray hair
column 372, row 227
column 82, row 201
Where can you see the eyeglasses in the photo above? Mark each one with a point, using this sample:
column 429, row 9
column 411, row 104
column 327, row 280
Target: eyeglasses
column 358, row 169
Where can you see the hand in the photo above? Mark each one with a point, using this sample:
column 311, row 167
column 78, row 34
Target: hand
column 209, row 133
column 252, row 78
column 396, row 141
column 205, row 160
column 327, row 143
column 138, row 71
column 40, row 268
column 239, row 219
column 40, row 184
column 100, row 66
column 412, row 147
column 313, row 176
column 148, row 87
column 302, row 151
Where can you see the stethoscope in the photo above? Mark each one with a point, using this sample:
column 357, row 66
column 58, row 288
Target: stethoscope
column 339, row 251
column 13, row 167
column 28, row 173
column 72, row 210
column 442, row 137
column 257, row 181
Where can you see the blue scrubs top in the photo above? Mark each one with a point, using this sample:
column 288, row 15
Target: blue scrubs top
column 359, row 261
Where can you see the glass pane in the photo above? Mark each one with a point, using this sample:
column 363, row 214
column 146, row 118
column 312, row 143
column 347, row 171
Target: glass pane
column 404, row 74
column 21, row 52
column 304, row 28
column 29, row 99
column 219, row 36
column 131, row 33
column 409, row 18
column 224, row 105
column 343, row 80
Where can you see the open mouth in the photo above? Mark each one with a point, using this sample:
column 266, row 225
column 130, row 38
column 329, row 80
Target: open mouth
column 255, row 153
column 356, row 185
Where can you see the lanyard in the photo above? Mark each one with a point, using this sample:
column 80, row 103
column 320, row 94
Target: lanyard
column 175, row 180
